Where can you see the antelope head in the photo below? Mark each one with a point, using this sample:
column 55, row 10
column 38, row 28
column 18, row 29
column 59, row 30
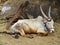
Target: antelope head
column 48, row 21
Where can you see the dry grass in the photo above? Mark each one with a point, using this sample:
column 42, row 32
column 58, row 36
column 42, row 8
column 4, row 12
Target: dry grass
column 52, row 39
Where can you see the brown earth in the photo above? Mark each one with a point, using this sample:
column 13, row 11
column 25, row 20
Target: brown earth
column 6, row 39
column 51, row 39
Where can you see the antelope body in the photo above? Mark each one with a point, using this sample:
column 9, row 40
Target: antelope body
column 39, row 25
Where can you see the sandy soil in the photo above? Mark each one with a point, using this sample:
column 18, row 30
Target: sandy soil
column 51, row 39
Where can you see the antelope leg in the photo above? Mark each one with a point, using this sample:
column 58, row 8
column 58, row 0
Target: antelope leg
column 24, row 35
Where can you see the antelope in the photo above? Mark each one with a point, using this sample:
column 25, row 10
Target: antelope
column 39, row 25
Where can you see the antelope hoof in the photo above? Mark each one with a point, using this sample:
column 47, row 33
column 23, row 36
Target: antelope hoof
column 16, row 36
column 30, row 37
column 42, row 34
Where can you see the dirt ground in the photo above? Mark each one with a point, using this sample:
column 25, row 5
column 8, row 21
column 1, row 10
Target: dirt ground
column 51, row 39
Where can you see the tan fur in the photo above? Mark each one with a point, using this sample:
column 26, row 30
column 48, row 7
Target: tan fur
column 26, row 28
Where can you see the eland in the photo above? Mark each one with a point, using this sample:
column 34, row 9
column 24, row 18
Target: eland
column 39, row 25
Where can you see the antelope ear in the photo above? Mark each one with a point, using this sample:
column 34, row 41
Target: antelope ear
column 44, row 20
column 52, row 21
